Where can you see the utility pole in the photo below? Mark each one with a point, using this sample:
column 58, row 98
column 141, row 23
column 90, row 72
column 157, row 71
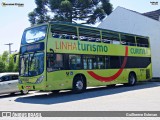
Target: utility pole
column 9, row 44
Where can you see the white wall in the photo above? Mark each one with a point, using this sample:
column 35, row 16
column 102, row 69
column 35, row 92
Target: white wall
column 127, row 21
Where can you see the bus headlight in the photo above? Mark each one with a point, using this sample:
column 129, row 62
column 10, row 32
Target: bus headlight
column 20, row 81
column 39, row 80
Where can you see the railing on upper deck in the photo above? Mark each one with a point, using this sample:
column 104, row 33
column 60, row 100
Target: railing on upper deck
column 93, row 35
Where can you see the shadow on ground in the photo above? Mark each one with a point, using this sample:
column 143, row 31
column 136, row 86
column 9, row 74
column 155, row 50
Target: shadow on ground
column 63, row 97
column 12, row 95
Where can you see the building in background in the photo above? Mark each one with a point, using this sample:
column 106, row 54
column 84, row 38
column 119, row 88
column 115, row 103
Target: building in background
column 153, row 14
column 146, row 24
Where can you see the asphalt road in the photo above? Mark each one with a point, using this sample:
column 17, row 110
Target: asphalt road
column 145, row 96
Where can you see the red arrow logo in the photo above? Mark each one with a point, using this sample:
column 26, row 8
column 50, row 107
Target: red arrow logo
column 113, row 77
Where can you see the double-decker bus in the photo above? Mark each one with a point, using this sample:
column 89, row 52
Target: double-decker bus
column 58, row 56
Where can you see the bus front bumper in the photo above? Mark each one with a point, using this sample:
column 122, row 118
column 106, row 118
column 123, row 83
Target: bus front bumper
column 31, row 87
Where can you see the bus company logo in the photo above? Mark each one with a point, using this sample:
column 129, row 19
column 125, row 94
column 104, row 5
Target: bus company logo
column 4, row 4
column 113, row 77
column 80, row 46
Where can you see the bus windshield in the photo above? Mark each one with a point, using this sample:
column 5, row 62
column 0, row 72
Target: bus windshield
column 34, row 34
column 31, row 64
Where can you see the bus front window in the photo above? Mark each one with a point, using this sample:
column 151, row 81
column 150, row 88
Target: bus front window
column 34, row 34
column 32, row 64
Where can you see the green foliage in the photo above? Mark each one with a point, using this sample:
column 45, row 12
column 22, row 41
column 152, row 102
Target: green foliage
column 5, row 56
column 11, row 64
column 2, row 66
column 7, row 63
column 89, row 11
column 39, row 14
column 16, row 66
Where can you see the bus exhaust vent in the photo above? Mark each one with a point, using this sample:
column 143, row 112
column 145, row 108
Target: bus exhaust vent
column 148, row 74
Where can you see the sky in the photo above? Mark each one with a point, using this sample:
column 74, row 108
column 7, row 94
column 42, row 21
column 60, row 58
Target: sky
column 14, row 19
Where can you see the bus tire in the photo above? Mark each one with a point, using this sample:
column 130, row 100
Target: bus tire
column 132, row 79
column 24, row 92
column 79, row 84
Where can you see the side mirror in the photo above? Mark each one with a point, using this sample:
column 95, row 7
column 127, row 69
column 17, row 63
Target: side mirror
column 51, row 50
column 54, row 55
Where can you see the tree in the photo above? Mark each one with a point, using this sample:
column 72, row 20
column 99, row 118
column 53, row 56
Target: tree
column 88, row 11
column 7, row 63
column 5, row 56
column 39, row 14
column 2, row 66
column 11, row 64
column 16, row 65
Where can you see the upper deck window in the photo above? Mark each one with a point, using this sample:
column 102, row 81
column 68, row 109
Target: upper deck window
column 128, row 40
column 89, row 35
column 34, row 34
column 142, row 42
column 110, row 37
column 64, row 32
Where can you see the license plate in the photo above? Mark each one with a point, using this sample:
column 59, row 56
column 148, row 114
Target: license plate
column 28, row 87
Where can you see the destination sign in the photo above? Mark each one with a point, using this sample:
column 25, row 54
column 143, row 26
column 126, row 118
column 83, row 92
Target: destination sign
column 32, row 48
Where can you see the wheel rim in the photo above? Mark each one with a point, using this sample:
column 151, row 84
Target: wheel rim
column 132, row 80
column 79, row 85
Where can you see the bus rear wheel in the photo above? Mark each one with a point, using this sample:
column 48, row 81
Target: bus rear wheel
column 132, row 79
column 79, row 85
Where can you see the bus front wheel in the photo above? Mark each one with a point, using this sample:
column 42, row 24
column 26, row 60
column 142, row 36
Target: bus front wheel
column 79, row 85
column 132, row 79
column 24, row 92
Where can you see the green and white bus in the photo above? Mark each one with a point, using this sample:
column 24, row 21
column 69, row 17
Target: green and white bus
column 58, row 56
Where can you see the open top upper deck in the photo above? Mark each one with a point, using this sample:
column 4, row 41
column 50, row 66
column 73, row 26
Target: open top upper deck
column 72, row 31
column 92, row 34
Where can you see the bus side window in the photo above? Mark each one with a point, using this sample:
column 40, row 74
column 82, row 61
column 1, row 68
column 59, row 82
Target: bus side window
column 107, row 62
column 115, row 62
column 101, row 62
column 74, row 62
column 54, row 63
column 89, row 62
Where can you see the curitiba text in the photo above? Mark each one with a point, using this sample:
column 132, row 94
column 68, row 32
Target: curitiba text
column 138, row 51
